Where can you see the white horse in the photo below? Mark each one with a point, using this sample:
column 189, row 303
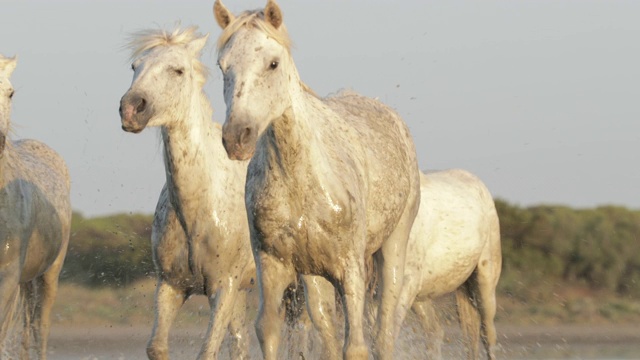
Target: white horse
column 200, row 234
column 454, row 246
column 35, row 220
column 332, row 181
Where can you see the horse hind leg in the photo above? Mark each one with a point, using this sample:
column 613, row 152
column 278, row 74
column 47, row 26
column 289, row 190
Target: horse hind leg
column 487, row 278
column 9, row 301
column 28, row 298
column 46, row 289
column 430, row 323
column 393, row 251
column 469, row 317
column 168, row 300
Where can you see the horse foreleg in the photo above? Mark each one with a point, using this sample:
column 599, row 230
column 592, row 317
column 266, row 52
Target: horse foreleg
column 168, row 301
column 431, row 325
column 222, row 306
column 352, row 291
column 273, row 279
column 239, row 329
column 321, row 305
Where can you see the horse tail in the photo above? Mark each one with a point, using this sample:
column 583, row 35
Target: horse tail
column 469, row 316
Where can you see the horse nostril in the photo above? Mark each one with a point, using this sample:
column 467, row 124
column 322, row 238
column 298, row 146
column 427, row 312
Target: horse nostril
column 142, row 106
column 244, row 136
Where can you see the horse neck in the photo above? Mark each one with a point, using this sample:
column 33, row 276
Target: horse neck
column 293, row 140
column 7, row 164
column 190, row 157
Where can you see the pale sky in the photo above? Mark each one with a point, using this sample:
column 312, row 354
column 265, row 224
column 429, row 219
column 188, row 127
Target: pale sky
column 539, row 98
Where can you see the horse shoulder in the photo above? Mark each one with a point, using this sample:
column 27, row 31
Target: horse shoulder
column 169, row 243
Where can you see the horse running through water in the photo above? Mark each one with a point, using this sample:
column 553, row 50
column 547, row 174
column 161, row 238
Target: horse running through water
column 200, row 235
column 332, row 180
column 35, row 220
column 454, row 246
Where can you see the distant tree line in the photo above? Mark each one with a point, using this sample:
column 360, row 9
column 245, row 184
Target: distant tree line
column 546, row 245
column 543, row 246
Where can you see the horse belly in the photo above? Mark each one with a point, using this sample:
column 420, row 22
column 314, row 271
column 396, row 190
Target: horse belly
column 445, row 265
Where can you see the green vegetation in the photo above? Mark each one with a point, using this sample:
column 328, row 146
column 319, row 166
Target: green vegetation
column 544, row 246
column 109, row 251
column 559, row 264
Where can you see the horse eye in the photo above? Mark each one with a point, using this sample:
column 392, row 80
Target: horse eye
column 273, row 65
column 11, row 94
column 133, row 67
column 179, row 72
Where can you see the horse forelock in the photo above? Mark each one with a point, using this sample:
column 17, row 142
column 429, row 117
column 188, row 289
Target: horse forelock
column 255, row 18
column 145, row 40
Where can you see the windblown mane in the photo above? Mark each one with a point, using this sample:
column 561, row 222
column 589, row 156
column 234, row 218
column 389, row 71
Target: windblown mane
column 5, row 60
column 145, row 40
column 256, row 19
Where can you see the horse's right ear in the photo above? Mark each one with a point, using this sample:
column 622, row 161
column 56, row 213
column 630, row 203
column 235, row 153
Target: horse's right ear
column 223, row 16
column 7, row 66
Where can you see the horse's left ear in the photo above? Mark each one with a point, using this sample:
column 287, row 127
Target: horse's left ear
column 197, row 45
column 273, row 14
column 7, row 66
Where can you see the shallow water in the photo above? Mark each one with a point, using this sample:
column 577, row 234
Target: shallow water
column 573, row 342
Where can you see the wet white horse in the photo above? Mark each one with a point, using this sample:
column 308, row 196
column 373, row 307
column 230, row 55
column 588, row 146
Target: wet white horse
column 200, row 238
column 35, row 220
column 200, row 234
column 332, row 181
column 454, row 246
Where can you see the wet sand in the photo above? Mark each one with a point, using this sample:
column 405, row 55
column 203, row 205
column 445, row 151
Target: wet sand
column 515, row 342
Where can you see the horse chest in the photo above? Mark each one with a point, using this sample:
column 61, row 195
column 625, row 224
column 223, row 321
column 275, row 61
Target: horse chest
column 308, row 230
column 208, row 250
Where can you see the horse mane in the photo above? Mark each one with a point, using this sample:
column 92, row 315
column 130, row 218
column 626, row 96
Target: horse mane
column 145, row 40
column 255, row 18
column 5, row 60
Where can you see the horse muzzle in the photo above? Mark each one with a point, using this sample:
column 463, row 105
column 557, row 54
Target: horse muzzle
column 134, row 113
column 239, row 141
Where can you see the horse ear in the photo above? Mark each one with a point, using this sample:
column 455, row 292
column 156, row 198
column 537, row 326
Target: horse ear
column 223, row 16
column 8, row 66
column 198, row 44
column 273, row 14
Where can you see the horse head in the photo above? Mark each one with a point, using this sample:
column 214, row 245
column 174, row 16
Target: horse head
column 254, row 55
column 7, row 65
column 166, row 73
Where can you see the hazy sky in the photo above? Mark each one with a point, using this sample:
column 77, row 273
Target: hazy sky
column 541, row 99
